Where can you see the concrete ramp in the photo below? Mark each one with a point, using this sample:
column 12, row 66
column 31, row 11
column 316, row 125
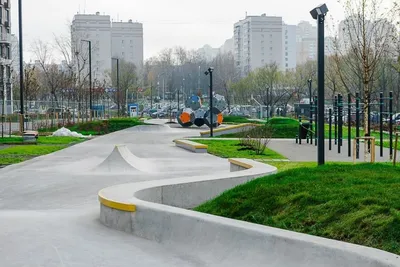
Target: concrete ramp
column 122, row 160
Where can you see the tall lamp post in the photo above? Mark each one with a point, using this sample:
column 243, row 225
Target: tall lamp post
column 118, row 93
column 90, row 77
column 319, row 14
column 210, row 72
column 21, row 67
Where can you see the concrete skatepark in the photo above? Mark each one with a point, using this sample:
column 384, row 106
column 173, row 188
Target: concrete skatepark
column 50, row 212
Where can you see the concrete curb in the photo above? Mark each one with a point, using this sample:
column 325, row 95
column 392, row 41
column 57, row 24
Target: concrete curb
column 161, row 215
column 230, row 129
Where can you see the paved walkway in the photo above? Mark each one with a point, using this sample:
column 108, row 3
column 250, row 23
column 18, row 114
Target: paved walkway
column 308, row 152
column 49, row 209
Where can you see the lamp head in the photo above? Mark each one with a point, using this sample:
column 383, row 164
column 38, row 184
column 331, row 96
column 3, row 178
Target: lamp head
column 210, row 70
column 319, row 10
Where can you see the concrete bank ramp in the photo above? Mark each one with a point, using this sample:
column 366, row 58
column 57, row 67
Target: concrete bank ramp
column 121, row 159
column 158, row 211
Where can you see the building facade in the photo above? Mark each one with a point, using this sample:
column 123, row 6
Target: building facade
column 5, row 56
column 290, row 49
column 122, row 40
column 258, row 42
column 95, row 28
column 127, row 41
column 306, row 39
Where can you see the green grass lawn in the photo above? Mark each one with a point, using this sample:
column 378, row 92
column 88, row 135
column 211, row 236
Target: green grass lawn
column 51, row 140
column 100, row 127
column 239, row 120
column 289, row 128
column 232, row 149
column 46, row 145
column 354, row 203
column 31, row 150
column 12, row 160
column 353, row 132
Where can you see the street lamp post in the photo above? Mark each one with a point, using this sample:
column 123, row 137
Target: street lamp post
column 21, row 67
column 118, row 93
column 210, row 72
column 90, row 77
column 319, row 14
column 309, row 81
column 151, row 95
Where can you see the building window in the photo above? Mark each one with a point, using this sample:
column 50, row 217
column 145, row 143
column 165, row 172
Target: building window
column 286, row 53
column 287, row 65
column 286, row 59
column 270, row 48
column 8, row 51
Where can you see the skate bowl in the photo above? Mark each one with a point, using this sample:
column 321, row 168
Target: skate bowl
column 121, row 159
column 159, row 211
column 230, row 129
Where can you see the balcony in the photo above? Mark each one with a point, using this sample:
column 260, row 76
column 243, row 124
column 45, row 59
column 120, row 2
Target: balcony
column 7, row 24
column 7, row 5
column 5, row 38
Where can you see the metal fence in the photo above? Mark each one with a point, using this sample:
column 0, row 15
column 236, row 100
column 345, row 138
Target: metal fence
column 50, row 115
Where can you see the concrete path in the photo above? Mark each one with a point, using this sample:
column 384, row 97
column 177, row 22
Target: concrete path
column 308, row 152
column 49, row 209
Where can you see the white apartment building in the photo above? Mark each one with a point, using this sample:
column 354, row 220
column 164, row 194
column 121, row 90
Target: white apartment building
column 258, row 42
column 289, row 42
column 127, row 41
column 95, row 28
column 208, row 52
column 227, row 47
column 123, row 40
column 306, row 38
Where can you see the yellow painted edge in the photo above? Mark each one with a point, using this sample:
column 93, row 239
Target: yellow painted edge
column 196, row 145
column 116, row 205
column 241, row 164
column 231, row 128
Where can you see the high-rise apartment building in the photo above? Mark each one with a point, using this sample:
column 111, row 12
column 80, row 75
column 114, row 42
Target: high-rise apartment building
column 258, row 42
column 5, row 55
column 289, row 43
column 14, row 53
column 95, row 28
column 127, row 41
column 123, row 40
column 306, row 39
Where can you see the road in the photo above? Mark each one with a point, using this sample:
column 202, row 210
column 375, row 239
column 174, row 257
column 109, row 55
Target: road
column 49, row 209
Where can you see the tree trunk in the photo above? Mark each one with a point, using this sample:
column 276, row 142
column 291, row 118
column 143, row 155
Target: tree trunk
column 366, row 109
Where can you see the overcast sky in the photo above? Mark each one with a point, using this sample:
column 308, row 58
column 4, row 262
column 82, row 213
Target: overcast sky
column 166, row 23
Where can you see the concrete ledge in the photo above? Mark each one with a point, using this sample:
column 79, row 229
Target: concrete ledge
column 230, row 129
column 106, row 200
column 161, row 214
column 237, row 165
column 191, row 146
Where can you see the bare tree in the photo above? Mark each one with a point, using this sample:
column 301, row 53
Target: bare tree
column 128, row 83
column 364, row 40
column 225, row 75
